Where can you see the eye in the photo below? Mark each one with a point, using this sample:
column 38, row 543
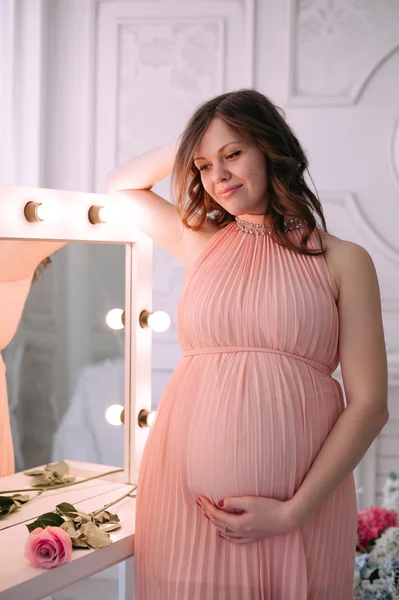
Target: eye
column 203, row 168
column 234, row 154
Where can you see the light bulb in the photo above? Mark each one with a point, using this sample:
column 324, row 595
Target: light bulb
column 146, row 418
column 115, row 318
column 113, row 414
column 105, row 213
column 158, row 320
column 100, row 214
column 151, row 417
column 42, row 211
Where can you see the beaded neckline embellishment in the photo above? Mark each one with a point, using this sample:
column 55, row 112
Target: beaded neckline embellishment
column 262, row 229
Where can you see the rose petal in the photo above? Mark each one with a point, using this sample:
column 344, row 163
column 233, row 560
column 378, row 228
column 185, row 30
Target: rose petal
column 48, row 548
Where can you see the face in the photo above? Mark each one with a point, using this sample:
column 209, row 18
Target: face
column 233, row 170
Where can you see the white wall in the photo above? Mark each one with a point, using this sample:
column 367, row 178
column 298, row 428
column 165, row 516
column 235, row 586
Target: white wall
column 119, row 81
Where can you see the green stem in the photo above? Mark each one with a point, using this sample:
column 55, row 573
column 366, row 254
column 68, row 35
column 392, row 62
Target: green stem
column 64, row 485
column 96, row 512
column 39, row 493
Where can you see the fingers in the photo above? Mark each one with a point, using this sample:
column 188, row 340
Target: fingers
column 227, row 532
column 236, row 540
column 222, row 519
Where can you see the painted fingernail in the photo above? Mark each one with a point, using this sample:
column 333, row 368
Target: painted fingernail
column 222, row 536
column 221, row 503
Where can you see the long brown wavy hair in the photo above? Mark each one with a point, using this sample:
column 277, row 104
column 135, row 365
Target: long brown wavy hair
column 253, row 116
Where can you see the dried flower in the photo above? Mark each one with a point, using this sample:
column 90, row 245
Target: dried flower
column 53, row 534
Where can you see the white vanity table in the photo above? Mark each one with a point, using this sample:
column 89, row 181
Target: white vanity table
column 18, row 579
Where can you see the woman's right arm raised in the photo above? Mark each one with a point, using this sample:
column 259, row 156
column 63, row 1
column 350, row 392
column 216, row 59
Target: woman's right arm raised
column 154, row 215
column 144, row 171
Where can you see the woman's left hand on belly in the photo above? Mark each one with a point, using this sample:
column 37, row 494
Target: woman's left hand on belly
column 247, row 519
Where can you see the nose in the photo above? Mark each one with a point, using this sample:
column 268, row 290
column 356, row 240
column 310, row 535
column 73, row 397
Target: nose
column 220, row 173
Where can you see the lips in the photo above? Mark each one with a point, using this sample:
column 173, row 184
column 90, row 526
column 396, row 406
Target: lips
column 229, row 191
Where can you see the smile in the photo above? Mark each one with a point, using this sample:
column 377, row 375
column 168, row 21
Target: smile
column 229, row 191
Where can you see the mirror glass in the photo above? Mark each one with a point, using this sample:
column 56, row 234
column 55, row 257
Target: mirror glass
column 65, row 364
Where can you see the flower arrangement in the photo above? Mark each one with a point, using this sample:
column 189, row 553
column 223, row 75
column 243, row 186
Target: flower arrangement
column 371, row 523
column 377, row 559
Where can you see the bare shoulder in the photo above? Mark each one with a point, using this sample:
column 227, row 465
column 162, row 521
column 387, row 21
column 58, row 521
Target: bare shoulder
column 347, row 261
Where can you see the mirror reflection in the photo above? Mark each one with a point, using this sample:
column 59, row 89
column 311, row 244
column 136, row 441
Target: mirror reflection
column 65, row 362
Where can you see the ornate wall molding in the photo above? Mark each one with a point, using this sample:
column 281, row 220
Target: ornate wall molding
column 163, row 67
column 179, row 60
column 348, row 201
column 324, row 69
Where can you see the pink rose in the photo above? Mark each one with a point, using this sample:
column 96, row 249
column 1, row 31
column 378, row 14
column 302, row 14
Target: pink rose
column 48, row 548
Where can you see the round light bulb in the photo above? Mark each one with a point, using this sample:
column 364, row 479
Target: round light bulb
column 159, row 321
column 113, row 414
column 146, row 418
column 42, row 211
column 104, row 214
column 151, row 418
column 100, row 214
column 48, row 211
column 114, row 318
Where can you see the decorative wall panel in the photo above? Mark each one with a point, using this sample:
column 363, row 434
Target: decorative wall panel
column 338, row 44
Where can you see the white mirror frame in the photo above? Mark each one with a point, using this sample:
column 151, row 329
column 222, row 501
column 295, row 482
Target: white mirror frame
column 74, row 225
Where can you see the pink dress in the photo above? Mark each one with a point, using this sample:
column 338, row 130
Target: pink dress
column 12, row 300
column 246, row 412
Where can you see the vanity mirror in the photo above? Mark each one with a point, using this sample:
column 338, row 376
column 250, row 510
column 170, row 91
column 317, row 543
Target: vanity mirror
column 80, row 361
column 66, row 362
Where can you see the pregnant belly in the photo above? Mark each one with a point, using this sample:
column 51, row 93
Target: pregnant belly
column 245, row 428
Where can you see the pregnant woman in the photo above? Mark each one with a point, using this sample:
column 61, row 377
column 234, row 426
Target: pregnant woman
column 245, row 489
